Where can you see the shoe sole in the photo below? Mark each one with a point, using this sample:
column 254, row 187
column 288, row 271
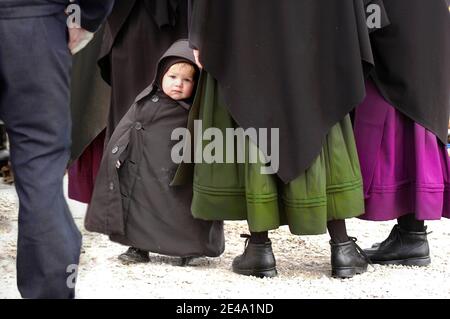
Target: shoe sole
column 349, row 272
column 128, row 261
column 269, row 273
column 419, row 261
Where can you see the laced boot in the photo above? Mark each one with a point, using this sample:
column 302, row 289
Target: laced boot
column 402, row 247
column 347, row 259
column 257, row 260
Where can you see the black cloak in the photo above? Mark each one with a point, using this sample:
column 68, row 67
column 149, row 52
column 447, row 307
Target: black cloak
column 412, row 61
column 137, row 34
column 296, row 65
column 134, row 202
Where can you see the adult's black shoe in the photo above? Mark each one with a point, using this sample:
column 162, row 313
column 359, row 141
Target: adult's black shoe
column 402, row 247
column 257, row 260
column 347, row 259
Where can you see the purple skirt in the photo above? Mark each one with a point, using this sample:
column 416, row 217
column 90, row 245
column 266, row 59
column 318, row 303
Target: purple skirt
column 405, row 168
column 83, row 171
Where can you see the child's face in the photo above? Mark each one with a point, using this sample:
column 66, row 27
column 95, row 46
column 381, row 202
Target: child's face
column 178, row 82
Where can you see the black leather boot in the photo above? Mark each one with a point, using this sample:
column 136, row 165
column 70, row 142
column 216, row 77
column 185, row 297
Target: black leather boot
column 347, row 259
column 4, row 153
column 402, row 247
column 134, row 255
column 257, row 260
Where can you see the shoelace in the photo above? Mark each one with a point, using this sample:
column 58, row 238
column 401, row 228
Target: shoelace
column 395, row 235
column 247, row 239
column 361, row 251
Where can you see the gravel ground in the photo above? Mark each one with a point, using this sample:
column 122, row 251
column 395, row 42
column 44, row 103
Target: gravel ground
column 303, row 265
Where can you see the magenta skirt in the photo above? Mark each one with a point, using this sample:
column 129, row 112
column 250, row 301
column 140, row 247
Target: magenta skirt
column 83, row 171
column 404, row 166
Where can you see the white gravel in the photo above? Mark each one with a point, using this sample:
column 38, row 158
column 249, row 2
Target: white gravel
column 303, row 265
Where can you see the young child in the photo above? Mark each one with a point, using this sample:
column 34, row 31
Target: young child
column 133, row 201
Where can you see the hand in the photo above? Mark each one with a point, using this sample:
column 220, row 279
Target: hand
column 197, row 58
column 79, row 39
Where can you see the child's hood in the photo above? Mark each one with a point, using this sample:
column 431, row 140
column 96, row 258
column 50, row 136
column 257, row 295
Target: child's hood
column 180, row 49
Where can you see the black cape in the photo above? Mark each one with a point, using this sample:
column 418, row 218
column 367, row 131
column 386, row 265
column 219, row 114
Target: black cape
column 137, row 34
column 412, row 61
column 296, row 65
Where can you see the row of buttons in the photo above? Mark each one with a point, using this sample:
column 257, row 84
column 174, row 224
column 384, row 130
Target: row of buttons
column 138, row 126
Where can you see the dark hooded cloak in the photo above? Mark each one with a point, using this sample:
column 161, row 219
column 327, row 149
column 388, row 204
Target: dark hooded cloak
column 296, row 65
column 137, row 34
column 133, row 202
column 412, row 61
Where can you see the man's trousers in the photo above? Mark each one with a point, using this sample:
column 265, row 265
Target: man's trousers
column 35, row 68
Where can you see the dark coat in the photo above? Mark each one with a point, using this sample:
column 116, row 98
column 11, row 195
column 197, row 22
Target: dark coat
column 412, row 62
column 136, row 35
column 90, row 97
column 296, row 65
column 135, row 204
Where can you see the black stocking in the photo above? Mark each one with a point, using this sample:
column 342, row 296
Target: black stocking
column 410, row 223
column 259, row 238
column 338, row 231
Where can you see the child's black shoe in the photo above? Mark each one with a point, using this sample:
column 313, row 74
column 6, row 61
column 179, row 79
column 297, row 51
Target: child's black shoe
column 134, row 255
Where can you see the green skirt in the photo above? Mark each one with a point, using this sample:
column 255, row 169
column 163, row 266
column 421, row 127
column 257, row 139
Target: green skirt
column 331, row 189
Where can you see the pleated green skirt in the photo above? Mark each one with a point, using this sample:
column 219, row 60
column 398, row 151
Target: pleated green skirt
column 331, row 189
